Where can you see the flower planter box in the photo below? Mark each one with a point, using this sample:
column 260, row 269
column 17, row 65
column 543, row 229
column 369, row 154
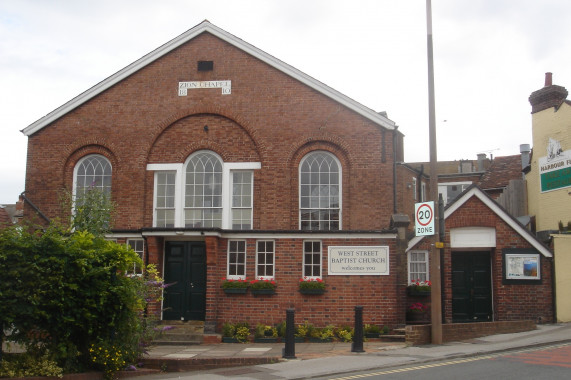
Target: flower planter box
column 372, row 335
column 235, row 290
column 417, row 318
column 263, row 291
column 312, row 291
column 319, row 340
column 417, row 293
column 265, row 340
column 227, row 339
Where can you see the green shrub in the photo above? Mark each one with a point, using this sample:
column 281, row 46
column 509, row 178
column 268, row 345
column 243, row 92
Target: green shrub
column 28, row 365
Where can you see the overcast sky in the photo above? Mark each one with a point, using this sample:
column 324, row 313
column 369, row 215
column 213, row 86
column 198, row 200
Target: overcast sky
column 489, row 55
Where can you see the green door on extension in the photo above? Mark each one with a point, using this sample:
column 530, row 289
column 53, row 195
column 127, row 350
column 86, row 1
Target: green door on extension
column 471, row 287
column 185, row 269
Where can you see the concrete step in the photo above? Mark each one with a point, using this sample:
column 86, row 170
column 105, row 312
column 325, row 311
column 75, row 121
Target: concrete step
column 180, row 333
column 393, row 338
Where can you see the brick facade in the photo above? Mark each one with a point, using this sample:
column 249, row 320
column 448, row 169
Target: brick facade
column 511, row 302
column 269, row 118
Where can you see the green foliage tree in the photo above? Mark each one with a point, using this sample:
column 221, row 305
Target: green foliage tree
column 64, row 292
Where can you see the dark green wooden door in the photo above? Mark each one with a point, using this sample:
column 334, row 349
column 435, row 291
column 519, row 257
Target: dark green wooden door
column 185, row 269
column 471, row 287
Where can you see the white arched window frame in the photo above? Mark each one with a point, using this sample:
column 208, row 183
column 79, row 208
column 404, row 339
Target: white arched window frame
column 203, row 190
column 92, row 172
column 170, row 192
column 320, row 192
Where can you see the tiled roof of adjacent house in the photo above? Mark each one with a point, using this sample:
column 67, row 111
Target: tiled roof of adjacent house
column 501, row 171
column 5, row 219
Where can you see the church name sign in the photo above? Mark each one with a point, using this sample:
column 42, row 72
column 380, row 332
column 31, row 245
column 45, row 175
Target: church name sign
column 225, row 85
column 359, row 260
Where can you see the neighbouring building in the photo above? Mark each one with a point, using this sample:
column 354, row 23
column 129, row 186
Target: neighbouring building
column 493, row 268
column 549, row 181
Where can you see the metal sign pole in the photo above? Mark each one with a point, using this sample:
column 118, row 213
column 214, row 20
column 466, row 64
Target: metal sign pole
column 436, row 295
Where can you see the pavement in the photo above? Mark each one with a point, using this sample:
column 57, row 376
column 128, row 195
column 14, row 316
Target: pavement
column 313, row 360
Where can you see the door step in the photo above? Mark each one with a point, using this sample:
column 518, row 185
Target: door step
column 180, row 333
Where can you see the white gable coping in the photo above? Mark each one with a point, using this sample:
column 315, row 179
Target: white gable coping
column 206, row 26
column 507, row 218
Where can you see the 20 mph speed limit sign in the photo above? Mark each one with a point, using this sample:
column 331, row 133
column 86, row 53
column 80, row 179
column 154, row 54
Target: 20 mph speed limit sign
column 424, row 218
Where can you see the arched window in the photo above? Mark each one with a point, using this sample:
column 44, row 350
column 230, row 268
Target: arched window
column 320, row 192
column 203, row 191
column 92, row 172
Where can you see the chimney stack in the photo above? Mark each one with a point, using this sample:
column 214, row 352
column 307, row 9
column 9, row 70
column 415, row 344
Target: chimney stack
column 549, row 96
column 481, row 158
column 548, row 79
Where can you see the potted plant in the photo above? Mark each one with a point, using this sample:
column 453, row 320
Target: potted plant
column 372, row 331
column 416, row 313
column 419, row 288
column 263, row 286
column 265, row 334
column 311, row 285
column 229, row 333
column 235, row 286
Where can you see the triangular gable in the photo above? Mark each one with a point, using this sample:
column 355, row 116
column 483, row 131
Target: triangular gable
column 475, row 191
column 203, row 27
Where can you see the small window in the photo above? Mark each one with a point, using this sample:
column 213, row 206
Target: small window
column 237, row 259
column 312, row 259
column 417, row 266
column 242, row 200
column 414, row 196
column 138, row 245
column 165, row 183
column 422, row 192
column 265, row 259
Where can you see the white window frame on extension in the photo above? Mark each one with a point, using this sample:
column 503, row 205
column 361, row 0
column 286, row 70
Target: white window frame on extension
column 138, row 245
column 228, row 168
column 415, row 273
column 313, row 254
column 265, row 249
column 312, row 203
column 238, row 249
column 414, row 196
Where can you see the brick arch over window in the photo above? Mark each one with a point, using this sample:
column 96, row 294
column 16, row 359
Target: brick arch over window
column 79, row 154
column 205, row 130
column 297, row 156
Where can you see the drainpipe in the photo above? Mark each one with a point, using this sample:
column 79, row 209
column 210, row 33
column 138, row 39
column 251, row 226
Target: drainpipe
column 419, row 184
column 395, row 170
column 36, row 209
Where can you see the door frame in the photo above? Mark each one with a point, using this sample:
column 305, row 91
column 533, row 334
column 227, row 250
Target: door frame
column 490, row 252
column 164, row 256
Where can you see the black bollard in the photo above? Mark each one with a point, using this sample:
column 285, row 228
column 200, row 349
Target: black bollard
column 289, row 350
column 357, row 345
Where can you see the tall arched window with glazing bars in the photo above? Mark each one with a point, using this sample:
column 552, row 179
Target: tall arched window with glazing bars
column 320, row 192
column 92, row 172
column 203, row 191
